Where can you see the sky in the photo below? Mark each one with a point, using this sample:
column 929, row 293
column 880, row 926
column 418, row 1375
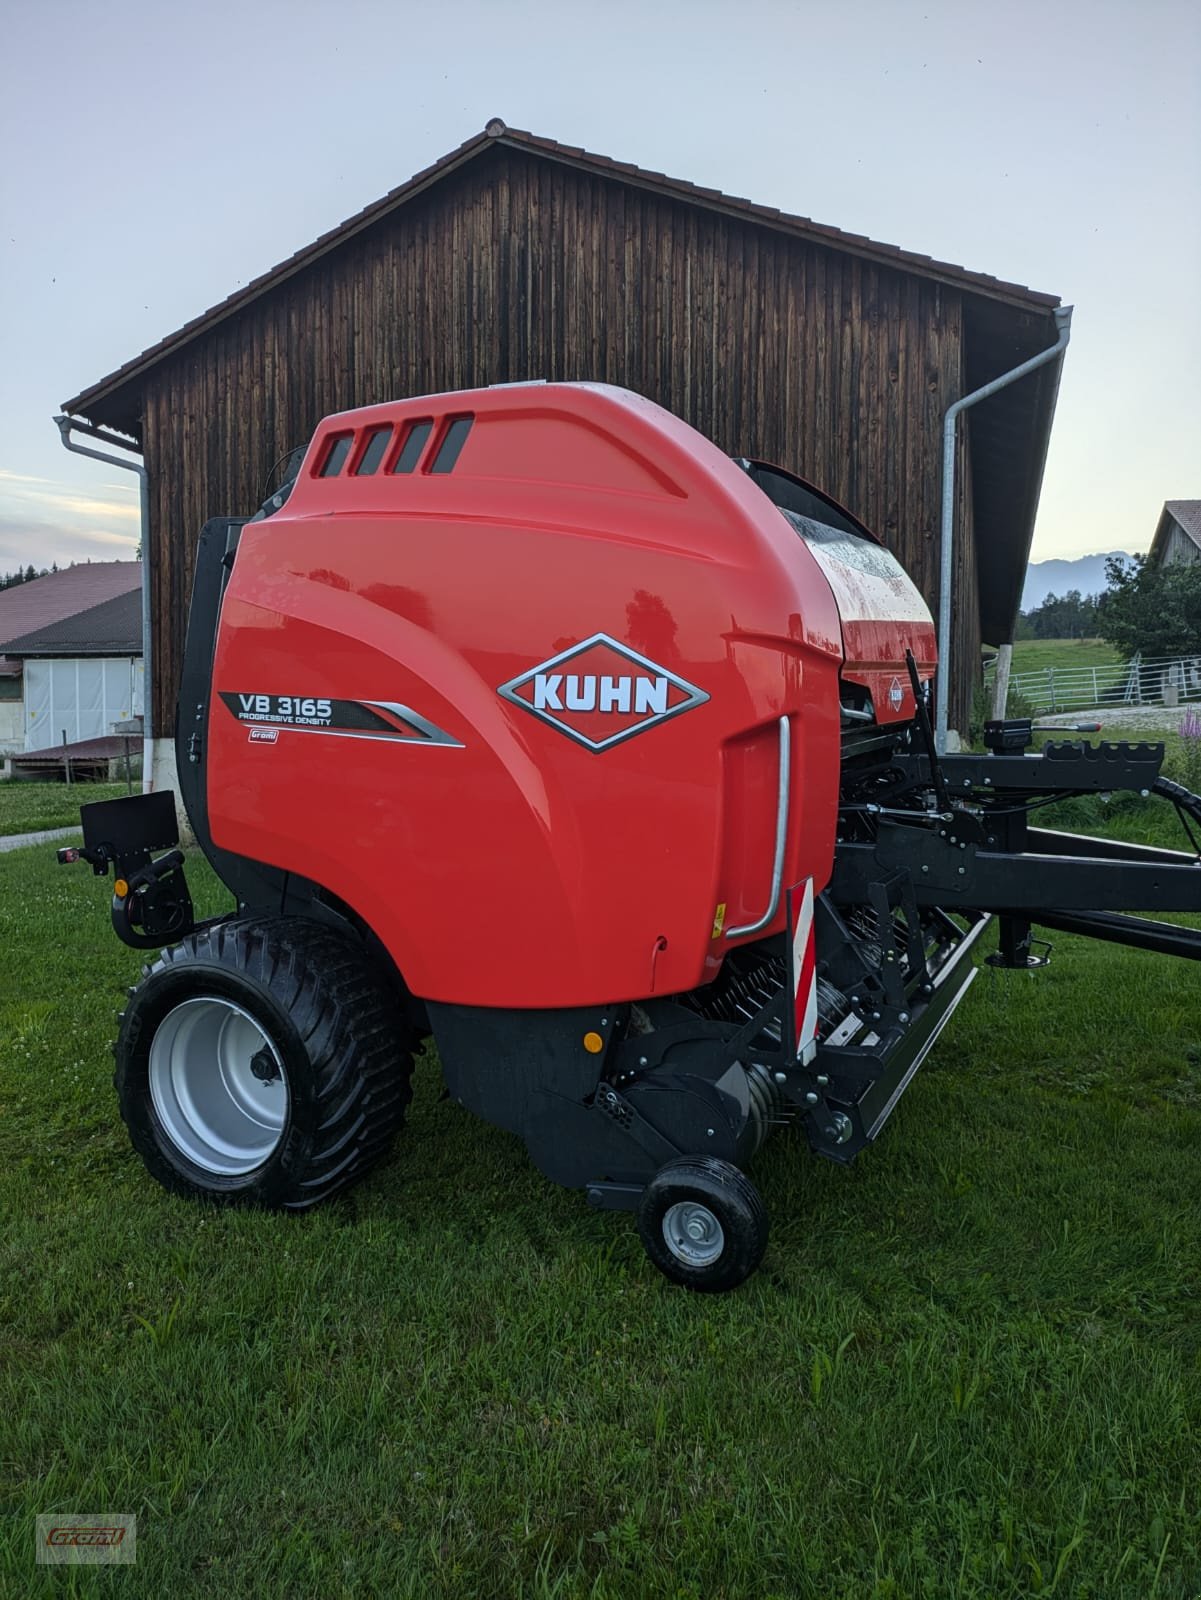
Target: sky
column 158, row 156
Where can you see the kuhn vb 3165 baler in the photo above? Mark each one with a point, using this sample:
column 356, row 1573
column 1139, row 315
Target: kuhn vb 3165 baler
column 527, row 719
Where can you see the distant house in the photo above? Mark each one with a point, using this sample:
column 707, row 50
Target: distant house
column 70, row 655
column 1177, row 541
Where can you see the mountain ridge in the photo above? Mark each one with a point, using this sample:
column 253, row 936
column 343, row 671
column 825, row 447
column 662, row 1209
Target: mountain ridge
column 1085, row 573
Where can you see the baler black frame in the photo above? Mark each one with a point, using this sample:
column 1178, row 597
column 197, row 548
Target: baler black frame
column 983, row 853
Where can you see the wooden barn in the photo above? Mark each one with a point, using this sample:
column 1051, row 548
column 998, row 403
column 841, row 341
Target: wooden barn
column 1177, row 541
column 515, row 257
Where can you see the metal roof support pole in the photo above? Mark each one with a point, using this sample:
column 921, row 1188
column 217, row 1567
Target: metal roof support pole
column 1063, row 324
column 64, row 426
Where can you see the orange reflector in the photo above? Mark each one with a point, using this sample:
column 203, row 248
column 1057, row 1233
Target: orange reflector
column 593, row 1043
column 120, row 888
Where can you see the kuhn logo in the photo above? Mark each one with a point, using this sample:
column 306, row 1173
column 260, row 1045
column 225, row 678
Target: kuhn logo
column 600, row 692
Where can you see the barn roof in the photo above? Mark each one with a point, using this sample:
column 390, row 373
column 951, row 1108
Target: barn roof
column 113, row 628
column 1005, row 322
column 1186, row 514
column 496, row 133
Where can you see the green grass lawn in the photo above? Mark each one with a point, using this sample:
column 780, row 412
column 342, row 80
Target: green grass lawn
column 28, row 807
column 1036, row 655
column 970, row 1366
column 1047, row 657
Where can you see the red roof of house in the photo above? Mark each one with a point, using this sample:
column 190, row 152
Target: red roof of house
column 29, row 607
column 113, row 628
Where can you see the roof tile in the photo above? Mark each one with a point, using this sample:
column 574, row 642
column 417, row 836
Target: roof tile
column 27, row 607
column 113, row 628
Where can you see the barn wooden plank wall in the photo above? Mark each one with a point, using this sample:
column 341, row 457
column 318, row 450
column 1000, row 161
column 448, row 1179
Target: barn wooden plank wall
column 520, row 267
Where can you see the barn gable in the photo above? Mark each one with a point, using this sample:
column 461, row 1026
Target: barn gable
column 1177, row 539
column 517, row 258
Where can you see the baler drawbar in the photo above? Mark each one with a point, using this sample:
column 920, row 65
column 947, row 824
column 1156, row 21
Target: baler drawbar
column 526, row 720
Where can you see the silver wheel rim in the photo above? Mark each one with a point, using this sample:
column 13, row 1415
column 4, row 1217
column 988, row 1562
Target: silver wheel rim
column 693, row 1234
column 220, row 1111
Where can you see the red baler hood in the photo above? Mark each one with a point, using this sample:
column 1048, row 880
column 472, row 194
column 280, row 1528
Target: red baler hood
column 561, row 650
column 881, row 611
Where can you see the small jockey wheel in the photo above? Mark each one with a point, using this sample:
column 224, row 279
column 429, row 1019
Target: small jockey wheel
column 703, row 1224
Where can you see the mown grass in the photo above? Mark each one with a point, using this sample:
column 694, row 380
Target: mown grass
column 27, row 807
column 1036, row 655
column 971, row 1364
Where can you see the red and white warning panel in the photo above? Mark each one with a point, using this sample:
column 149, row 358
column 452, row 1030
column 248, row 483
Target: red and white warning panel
column 804, row 970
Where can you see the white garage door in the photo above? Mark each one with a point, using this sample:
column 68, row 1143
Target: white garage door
column 84, row 697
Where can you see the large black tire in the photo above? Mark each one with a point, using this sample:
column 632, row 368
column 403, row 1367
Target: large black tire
column 697, row 1191
column 281, row 1070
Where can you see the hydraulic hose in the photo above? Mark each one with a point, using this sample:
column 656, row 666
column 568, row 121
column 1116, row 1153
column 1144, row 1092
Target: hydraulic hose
column 1183, row 799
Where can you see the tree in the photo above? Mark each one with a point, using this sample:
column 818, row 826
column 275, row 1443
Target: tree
column 9, row 580
column 1069, row 616
column 1151, row 610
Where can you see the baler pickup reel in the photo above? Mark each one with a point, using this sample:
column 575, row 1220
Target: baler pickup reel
column 151, row 905
column 929, row 850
